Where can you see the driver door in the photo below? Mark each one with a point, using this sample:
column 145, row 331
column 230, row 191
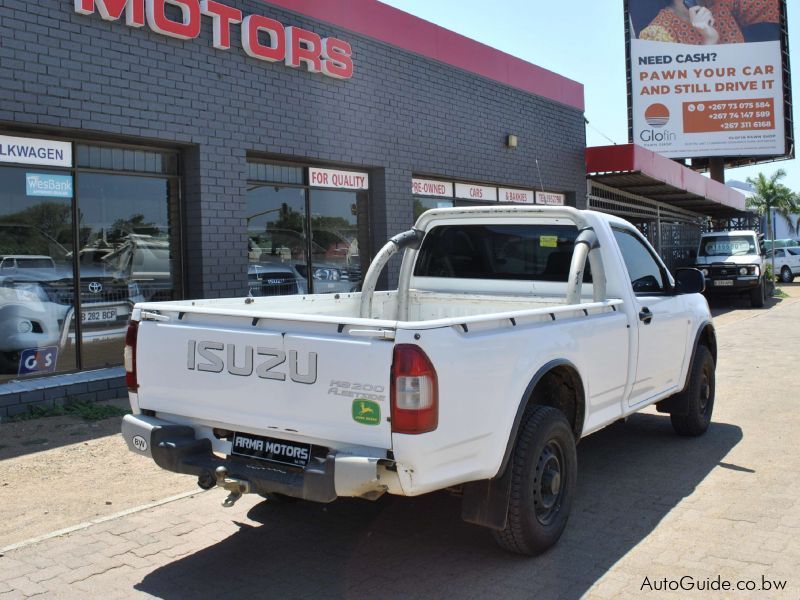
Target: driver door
column 663, row 324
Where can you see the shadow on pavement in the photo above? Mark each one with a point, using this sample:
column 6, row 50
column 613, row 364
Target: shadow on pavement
column 721, row 305
column 631, row 476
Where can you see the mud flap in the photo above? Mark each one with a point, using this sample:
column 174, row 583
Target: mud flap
column 485, row 502
column 677, row 404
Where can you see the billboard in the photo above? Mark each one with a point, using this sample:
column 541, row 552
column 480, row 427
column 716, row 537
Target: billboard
column 706, row 77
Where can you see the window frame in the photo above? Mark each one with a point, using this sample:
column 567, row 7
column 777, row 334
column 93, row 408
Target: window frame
column 307, row 190
column 173, row 179
column 669, row 284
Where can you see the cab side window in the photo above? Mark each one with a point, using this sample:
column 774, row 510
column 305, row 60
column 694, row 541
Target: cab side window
column 644, row 272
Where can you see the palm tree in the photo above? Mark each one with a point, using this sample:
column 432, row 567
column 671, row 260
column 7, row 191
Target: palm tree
column 773, row 196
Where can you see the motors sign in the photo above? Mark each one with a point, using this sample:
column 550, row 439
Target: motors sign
column 261, row 37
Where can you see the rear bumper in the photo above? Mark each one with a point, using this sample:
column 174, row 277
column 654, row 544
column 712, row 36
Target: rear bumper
column 174, row 448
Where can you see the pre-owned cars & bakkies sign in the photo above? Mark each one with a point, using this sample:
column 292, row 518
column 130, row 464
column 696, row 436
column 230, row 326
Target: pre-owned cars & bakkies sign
column 261, row 37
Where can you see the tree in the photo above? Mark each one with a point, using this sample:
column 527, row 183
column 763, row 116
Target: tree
column 773, row 196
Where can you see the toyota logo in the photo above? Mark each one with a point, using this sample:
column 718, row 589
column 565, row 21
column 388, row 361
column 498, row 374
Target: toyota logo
column 95, row 287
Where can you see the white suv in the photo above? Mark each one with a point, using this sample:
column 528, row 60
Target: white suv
column 734, row 262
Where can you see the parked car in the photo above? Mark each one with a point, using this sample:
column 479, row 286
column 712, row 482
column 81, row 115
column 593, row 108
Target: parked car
column 494, row 356
column 335, row 269
column 734, row 262
column 787, row 263
column 142, row 261
column 37, row 296
column 275, row 279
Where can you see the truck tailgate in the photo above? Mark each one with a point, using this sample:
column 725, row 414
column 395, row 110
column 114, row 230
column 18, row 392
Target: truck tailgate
column 308, row 381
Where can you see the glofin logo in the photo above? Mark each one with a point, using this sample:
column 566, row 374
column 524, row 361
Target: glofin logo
column 656, row 115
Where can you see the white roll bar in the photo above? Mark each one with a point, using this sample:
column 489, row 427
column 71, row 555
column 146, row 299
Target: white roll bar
column 586, row 245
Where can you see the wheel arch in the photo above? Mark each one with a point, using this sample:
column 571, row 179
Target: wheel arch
column 705, row 336
column 573, row 405
column 485, row 502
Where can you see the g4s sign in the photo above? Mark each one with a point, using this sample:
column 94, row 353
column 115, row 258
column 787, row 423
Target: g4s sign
column 262, row 38
column 38, row 360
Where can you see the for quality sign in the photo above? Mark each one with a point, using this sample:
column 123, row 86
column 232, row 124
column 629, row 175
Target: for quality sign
column 32, row 151
column 51, row 186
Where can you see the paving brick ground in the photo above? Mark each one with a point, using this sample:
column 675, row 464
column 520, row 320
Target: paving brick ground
column 650, row 505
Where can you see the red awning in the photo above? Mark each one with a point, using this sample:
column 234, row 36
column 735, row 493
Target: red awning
column 640, row 171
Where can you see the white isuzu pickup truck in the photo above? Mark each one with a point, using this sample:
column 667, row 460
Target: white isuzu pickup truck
column 514, row 332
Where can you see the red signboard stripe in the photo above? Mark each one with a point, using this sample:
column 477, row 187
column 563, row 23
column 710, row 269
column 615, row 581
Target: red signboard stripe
column 397, row 28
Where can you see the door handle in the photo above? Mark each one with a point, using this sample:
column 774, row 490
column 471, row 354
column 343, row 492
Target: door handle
column 645, row 316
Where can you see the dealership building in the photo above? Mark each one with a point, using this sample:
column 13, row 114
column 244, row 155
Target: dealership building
column 169, row 149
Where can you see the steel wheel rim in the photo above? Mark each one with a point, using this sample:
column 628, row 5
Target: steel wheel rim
column 549, row 483
column 705, row 391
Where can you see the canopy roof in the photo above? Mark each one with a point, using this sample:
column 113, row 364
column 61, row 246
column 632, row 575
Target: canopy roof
column 640, row 171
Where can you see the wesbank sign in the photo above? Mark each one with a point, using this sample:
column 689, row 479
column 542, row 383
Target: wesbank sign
column 261, row 37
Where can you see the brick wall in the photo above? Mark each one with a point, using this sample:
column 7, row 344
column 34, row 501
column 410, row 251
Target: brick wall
column 62, row 73
column 400, row 113
column 19, row 397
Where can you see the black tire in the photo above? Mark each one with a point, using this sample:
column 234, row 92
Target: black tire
column 758, row 295
column 543, row 475
column 786, row 275
column 699, row 396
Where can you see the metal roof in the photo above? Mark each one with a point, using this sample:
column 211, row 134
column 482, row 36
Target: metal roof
column 640, row 171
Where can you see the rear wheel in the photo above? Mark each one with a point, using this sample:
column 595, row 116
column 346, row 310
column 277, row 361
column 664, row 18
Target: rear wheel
column 758, row 295
column 699, row 396
column 543, row 474
column 786, row 275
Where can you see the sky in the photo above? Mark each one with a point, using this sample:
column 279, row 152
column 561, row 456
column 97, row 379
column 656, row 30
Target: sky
column 583, row 40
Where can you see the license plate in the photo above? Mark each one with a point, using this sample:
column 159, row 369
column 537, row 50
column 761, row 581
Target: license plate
column 99, row 316
column 264, row 448
column 723, row 282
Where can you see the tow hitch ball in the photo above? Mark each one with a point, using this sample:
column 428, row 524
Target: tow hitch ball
column 236, row 487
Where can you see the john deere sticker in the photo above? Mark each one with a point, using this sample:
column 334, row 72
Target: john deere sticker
column 366, row 412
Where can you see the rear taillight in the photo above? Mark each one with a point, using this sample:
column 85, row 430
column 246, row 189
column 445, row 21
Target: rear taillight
column 415, row 391
column 129, row 354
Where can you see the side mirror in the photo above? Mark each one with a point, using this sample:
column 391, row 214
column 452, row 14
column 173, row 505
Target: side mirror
column 689, row 281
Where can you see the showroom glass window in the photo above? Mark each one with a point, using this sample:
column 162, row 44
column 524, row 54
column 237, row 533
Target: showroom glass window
column 303, row 239
column 423, row 203
column 36, row 271
column 115, row 230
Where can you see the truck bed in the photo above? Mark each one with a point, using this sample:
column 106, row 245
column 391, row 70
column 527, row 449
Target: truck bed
column 426, row 308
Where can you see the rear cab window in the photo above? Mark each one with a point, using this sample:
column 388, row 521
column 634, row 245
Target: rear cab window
column 507, row 252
